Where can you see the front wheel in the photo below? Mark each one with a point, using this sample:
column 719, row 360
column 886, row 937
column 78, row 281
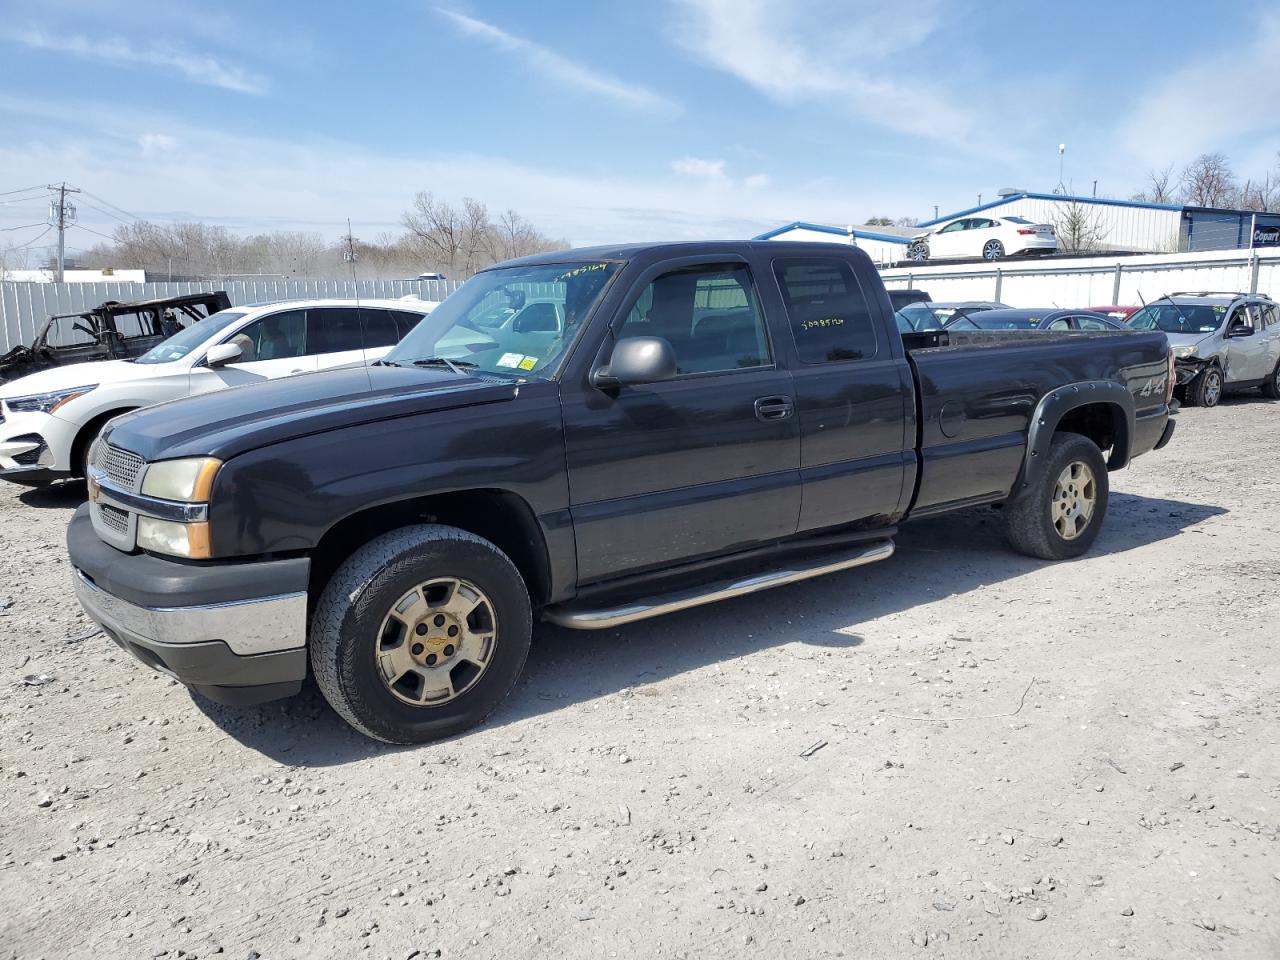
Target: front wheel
column 993, row 250
column 918, row 251
column 1060, row 514
column 420, row 634
column 1271, row 389
column 1206, row 391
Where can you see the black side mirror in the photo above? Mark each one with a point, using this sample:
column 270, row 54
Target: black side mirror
column 637, row 360
column 1240, row 330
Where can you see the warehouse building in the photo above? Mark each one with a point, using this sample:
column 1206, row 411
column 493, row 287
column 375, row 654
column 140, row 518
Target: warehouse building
column 1114, row 225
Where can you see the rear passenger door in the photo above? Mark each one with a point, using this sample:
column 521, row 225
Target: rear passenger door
column 853, row 392
column 702, row 464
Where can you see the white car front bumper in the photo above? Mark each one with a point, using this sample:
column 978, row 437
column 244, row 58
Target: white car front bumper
column 32, row 442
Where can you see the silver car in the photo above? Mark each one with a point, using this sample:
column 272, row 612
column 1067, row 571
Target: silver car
column 1220, row 341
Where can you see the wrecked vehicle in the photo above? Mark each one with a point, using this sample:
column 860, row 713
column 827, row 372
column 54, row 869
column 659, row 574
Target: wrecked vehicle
column 1221, row 341
column 110, row 331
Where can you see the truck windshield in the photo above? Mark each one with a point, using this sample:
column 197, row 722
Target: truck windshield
column 187, row 339
column 512, row 320
column 1179, row 318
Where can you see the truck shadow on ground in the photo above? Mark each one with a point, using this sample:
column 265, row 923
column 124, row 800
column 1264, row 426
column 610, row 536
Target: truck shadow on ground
column 936, row 559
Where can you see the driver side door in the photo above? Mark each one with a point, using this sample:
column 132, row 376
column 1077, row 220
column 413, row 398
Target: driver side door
column 274, row 346
column 949, row 241
column 1245, row 354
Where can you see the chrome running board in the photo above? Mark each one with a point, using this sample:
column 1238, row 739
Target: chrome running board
column 580, row 617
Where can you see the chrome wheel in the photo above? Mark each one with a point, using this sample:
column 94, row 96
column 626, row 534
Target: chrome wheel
column 1212, row 387
column 436, row 641
column 1075, row 496
column 919, row 252
column 994, row 250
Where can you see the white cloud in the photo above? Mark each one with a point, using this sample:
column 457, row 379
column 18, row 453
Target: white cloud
column 1217, row 103
column 563, row 70
column 848, row 54
column 153, row 143
column 197, row 67
column 694, row 167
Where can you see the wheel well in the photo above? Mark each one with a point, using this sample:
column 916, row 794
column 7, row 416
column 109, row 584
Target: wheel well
column 88, row 432
column 1105, row 425
column 502, row 518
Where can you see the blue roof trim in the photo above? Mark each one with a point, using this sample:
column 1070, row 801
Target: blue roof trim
column 834, row 231
column 1054, row 196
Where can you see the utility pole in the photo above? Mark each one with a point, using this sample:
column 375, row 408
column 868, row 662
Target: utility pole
column 61, row 214
column 349, row 253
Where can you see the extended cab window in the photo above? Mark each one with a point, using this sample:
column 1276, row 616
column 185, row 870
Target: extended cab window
column 830, row 317
column 274, row 337
column 709, row 316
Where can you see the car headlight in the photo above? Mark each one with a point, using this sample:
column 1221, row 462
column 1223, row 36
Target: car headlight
column 1182, row 352
column 47, row 402
column 190, row 480
column 190, row 540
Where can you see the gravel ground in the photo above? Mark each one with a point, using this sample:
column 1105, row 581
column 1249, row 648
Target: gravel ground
column 960, row 752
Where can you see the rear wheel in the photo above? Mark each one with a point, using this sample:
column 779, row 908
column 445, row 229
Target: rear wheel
column 918, row 251
column 1206, row 391
column 993, row 250
column 1060, row 515
column 1271, row 389
column 420, row 634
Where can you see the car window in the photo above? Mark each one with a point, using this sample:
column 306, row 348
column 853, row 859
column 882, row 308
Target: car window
column 380, row 328
column 132, row 325
column 830, row 317
column 1269, row 315
column 1093, row 323
column 72, row 332
column 273, row 337
column 709, row 316
column 983, row 224
column 334, row 330
column 1062, row 323
column 953, row 227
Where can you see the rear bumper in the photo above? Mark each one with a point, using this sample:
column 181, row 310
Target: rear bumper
column 1151, row 431
column 235, row 633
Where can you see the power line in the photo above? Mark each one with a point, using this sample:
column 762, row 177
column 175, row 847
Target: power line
column 25, row 226
column 96, row 233
column 23, row 246
column 38, row 186
column 107, row 212
column 111, row 205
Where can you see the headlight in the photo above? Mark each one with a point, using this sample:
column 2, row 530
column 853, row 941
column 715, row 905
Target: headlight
column 47, row 402
column 1184, row 351
column 190, row 481
column 190, row 540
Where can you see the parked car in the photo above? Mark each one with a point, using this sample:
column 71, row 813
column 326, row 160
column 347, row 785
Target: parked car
column 1116, row 312
column 49, row 419
column 398, row 527
column 1221, row 341
column 1049, row 319
column 947, row 310
column 110, row 331
column 923, row 317
column 986, row 237
column 904, row 298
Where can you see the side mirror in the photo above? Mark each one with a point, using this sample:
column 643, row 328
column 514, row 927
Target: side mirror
column 637, row 360
column 1240, row 330
column 222, row 354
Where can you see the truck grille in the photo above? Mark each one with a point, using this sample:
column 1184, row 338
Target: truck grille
column 120, row 466
column 113, row 518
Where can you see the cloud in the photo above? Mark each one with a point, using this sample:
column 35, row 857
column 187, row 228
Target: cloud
column 1215, row 103
column 715, row 172
column 847, row 54
column 197, row 67
column 153, row 143
column 561, row 69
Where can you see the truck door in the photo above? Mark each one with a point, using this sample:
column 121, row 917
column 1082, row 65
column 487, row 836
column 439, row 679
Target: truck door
column 853, row 392
column 701, row 464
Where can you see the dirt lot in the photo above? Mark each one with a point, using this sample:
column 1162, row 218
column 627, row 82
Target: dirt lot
column 961, row 753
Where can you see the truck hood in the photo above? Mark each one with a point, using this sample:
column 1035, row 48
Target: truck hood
column 229, row 422
column 78, row 375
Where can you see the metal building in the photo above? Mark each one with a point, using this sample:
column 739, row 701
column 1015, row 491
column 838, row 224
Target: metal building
column 882, row 247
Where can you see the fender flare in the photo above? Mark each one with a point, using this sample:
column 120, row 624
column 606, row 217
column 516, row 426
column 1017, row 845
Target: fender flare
column 1057, row 403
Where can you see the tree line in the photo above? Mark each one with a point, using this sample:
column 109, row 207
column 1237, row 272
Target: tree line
column 1210, row 181
column 438, row 237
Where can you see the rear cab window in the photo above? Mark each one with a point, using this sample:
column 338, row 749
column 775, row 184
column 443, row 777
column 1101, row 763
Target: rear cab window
column 828, row 313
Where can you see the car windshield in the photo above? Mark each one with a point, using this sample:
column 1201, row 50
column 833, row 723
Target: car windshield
column 993, row 320
column 512, row 320
column 1179, row 317
column 187, row 339
column 918, row 317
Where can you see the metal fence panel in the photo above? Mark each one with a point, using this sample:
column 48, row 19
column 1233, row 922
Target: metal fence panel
column 25, row 306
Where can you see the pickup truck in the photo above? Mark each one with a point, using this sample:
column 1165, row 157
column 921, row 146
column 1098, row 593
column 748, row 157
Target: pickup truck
column 707, row 420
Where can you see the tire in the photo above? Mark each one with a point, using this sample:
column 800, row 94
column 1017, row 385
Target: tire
column 1271, row 389
column 918, row 252
column 1036, row 524
column 356, row 633
column 993, row 250
column 1206, row 389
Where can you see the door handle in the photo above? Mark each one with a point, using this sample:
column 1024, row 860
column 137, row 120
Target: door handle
column 774, row 408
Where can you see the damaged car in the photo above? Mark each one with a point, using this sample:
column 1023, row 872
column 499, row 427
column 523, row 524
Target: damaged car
column 1221, row 342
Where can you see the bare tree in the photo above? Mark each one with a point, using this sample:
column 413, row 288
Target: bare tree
column 1079, row 227
column 1208, row 181
column 437, row 226
column 1262, row 196
column 1159, row 187
column 517, row 237
column 477, row 236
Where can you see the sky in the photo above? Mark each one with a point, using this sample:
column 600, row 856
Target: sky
column 662, row 119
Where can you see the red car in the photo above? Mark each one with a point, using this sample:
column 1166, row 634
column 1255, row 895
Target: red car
column 1122, row 314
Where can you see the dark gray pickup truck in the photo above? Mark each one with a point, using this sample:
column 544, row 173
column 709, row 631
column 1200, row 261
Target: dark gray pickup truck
column 591, row 436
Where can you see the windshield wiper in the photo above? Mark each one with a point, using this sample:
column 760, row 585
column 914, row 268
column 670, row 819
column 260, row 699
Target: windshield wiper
column 1183, row 316
column 456, row 366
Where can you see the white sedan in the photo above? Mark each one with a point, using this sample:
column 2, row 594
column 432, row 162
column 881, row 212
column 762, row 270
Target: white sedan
column 985, row 237
column 49, row 419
